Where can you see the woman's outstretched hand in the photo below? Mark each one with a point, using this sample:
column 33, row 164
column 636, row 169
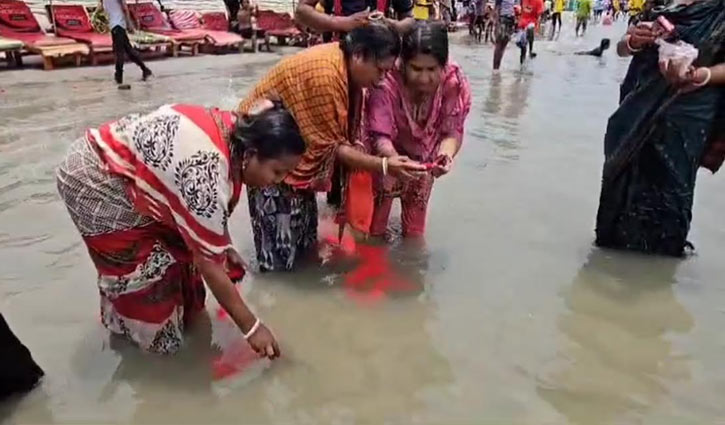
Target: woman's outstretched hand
column 264, row 343
column 404, row 167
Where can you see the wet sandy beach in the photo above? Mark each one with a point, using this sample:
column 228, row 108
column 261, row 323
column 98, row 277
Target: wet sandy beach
column 511, row 315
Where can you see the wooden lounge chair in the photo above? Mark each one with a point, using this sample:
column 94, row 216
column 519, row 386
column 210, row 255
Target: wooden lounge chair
column 278, row 25
column 11, row 48
column 72, row 21
column 17, row 22
column 217, row 40
column 151, row 19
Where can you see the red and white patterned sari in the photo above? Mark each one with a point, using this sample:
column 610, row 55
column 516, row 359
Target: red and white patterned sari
column 147, row 193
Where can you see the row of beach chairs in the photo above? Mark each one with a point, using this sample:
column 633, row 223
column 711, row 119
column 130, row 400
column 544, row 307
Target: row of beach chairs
column 177, row 32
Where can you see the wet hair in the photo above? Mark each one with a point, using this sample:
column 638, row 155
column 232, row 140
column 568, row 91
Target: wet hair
column 376, row 41
column 272, row 133
column 426, row 38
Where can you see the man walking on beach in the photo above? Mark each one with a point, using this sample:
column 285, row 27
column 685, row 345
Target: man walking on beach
column 120, row 21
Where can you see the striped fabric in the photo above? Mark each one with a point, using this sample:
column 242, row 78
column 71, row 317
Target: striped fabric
column 185, row 19
column 313, row 86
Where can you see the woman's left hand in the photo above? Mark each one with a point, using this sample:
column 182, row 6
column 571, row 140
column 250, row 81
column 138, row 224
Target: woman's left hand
column 444, row 164
column 234, row 258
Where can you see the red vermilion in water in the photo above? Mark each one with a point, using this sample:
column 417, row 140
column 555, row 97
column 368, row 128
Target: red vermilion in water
column 374, row 278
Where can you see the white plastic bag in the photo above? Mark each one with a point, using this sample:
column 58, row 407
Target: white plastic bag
column 678, row 56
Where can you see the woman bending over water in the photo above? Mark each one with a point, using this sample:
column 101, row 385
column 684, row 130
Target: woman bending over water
column 151, row 196
column 322, row 87
column 418, row 111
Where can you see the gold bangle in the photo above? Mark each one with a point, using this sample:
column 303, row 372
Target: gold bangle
column 707, row 79
column 629, row 46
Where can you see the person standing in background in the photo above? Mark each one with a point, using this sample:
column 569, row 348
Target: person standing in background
column 531, row 10
column 635, row 7
column 506, row 18
column 120, row 22
column 556, row 16
column 584, row 11
column 233, row 9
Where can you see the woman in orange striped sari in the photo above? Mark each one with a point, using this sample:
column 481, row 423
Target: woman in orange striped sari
column 322, row 87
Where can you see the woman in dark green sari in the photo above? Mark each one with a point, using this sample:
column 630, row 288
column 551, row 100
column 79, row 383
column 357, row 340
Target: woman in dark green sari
column 668, row 124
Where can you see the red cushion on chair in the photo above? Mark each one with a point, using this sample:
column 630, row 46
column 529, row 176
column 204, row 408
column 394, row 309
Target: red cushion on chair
column 16, row 16
column 71, row 18
column 148, row 16
column 185, row 19
column 215, row 21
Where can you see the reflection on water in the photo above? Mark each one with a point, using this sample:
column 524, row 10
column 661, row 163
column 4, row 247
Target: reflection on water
column 621, row 312
column 503, row 315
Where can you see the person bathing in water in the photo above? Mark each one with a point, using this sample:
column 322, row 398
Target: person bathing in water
column 597, row 51
column 151, row 195
column 418, row 111
column 323, row 87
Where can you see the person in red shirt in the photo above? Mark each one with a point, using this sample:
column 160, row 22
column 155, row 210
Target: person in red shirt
column 531, row 10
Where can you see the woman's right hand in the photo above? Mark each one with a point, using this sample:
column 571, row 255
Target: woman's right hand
column 264, row 343
column 357, row 20
column 405, row 168
column 642, row 35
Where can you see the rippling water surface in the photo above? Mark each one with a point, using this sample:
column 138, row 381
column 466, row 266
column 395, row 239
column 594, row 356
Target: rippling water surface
column 509, row 315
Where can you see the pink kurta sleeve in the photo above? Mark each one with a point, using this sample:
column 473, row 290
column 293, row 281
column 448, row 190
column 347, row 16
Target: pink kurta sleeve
column 380, row 118
column 456, row 104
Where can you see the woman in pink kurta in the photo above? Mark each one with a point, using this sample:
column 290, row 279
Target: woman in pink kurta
column 418, row 111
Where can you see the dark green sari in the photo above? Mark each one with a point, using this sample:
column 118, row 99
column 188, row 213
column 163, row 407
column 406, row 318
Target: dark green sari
column 656, row 140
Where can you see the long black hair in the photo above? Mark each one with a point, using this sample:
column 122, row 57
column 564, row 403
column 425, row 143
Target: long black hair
column 426, row 38
column 272, row 133
column 376, row 41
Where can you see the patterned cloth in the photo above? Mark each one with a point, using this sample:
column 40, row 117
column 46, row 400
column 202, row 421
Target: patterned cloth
column 313, row 86
column 147, row 192
column 284, row 221
column 185, row 19
column 390, row 122
column 414, row 196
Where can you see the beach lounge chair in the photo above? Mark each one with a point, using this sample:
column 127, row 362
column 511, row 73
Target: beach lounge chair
column 151, row 19
column 17, row 22
column 217, row 21
column 217, row 41
column 11, row 48
column 278, row 25
column 72, row 21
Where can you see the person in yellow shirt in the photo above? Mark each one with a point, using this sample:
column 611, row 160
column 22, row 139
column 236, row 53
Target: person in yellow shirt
column 556, row 16
column 635, row 8
column 615, row 9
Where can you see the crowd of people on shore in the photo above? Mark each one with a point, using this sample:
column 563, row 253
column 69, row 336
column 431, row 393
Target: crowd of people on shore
column 380, row 114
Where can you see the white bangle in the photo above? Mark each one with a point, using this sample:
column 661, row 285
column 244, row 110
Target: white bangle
column 707, row 79
column 629, row 46
column 253, row 329
column 385, row 166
